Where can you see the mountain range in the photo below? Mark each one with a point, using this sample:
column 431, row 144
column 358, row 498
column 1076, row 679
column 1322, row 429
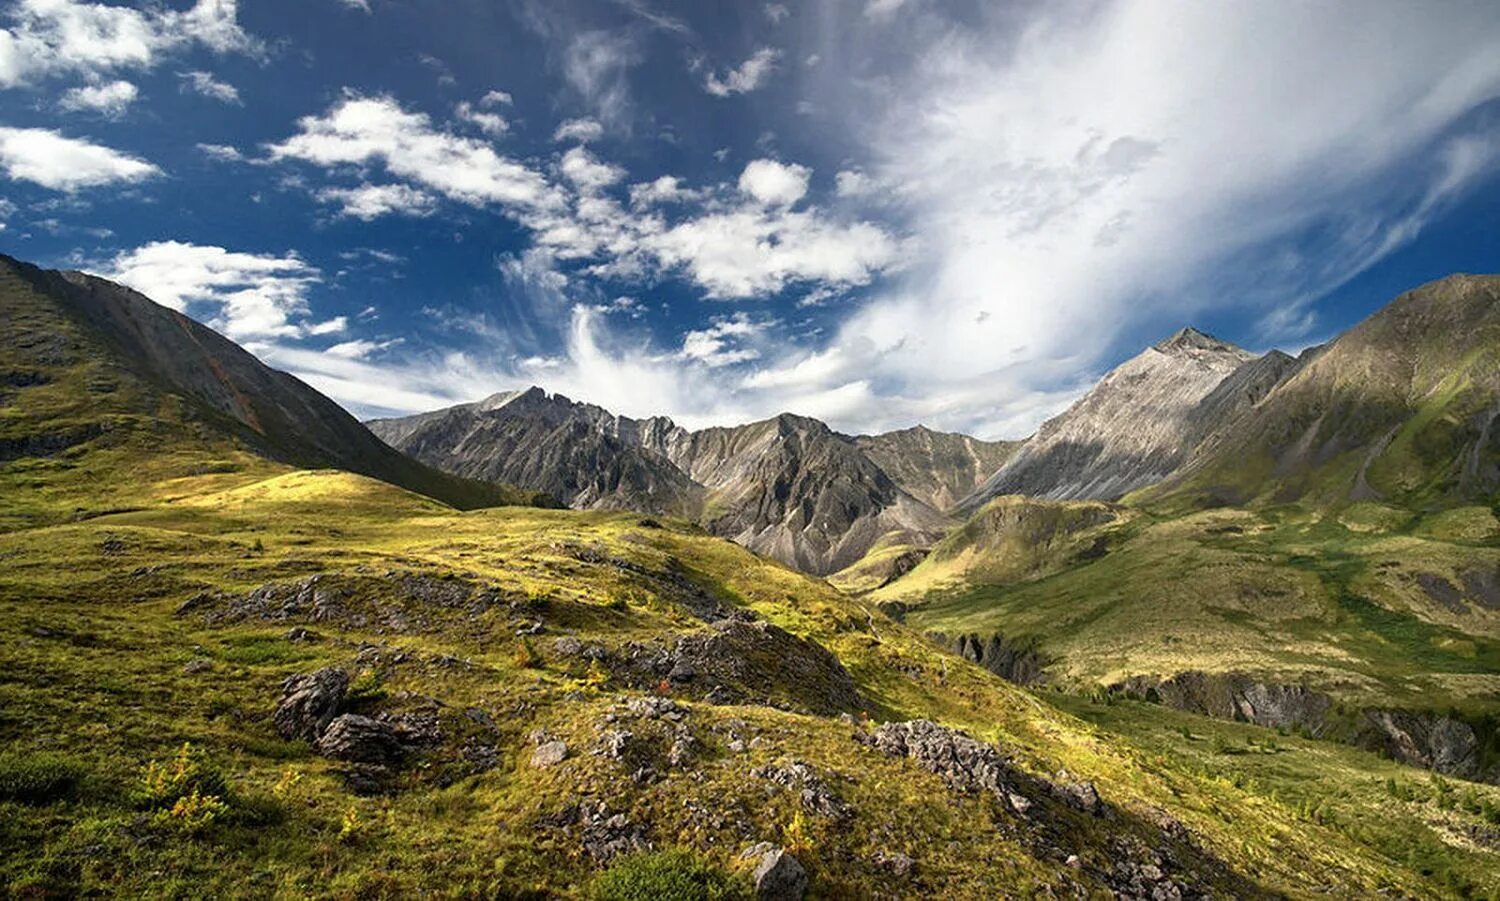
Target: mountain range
column 789, row 486
column 249, row 641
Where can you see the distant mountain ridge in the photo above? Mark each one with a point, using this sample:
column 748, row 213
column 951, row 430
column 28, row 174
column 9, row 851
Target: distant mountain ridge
column 789, row 487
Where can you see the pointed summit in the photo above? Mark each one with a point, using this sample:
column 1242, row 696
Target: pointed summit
column 1191, row 339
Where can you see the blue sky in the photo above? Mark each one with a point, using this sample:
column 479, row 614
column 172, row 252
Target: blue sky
column 878, row 212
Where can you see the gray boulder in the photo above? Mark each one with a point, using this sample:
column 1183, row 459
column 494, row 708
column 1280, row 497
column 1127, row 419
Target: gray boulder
column 309, row 702
column 780, row 877
column 360, row 739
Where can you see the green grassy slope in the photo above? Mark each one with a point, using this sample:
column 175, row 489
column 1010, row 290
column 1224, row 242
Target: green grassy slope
column 102, row 671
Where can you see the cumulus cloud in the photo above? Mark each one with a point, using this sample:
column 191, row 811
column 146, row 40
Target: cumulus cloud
column 361, row 5
column 492, row 124
column 366, row 131
column 750, row 74
column 110, row 99
column 246, row 296
column 369, row 202
column 205, row 84
column 47, row 38
column 721, row 344
column 49, row 159
column 773, row 183
column 586, row 172
column 222, row 153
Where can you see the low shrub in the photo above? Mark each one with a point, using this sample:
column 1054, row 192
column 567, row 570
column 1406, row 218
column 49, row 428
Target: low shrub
column 672, row 875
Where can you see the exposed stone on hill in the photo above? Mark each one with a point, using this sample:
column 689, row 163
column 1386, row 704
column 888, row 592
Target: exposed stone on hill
column 1235, row 696
column 780, row 877
column 602, row 834
column 309, row 703
column 811, row 788
column 1020, row 665
column 754, row 661
column 549, row 754
column 965, row 764
column 1435, row 742
column 361, row 739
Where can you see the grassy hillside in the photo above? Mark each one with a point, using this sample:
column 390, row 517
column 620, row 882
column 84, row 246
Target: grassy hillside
column 1372, row 605
column 104, row 394
column 130, row 636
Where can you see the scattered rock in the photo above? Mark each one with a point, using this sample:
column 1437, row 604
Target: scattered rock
column 1079, row 795
column 1438, row 743
column 966, row 764
column 817, row 797
column 603, row 835
column 780, row 877
column 300, row 635
column 309, row 702
column 549, row 754
column 197, row 665
column 361, row 739
column 895, row 863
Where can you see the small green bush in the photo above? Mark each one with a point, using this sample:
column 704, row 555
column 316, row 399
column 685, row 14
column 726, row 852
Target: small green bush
column 673, row 875
column 189, row 772
column 38, row 778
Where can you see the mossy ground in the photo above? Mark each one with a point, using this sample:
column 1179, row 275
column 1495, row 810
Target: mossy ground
column 94, row 672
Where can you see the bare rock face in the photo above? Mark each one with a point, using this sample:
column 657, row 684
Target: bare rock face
column 1131, row 430
column 309, row 703
column 1436, row 742
column 1236, row 696
column 937, row 468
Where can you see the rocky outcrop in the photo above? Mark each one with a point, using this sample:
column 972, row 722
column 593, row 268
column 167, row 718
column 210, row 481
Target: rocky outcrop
column 779, row 877
column 736, row 661
column 1438, row 743
column 1235, row 696
column 1422, row 739
column 309, row 703
column 1015, row 663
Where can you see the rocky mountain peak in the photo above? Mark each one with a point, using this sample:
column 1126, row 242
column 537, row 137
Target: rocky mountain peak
column 1188, row 340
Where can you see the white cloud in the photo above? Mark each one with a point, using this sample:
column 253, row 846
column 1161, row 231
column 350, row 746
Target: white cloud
column 206, row 85
column 110, row 99
column 365, row 131
column 222, row 153
column 369, row 202
column 359, row 348
column 666, row 189
column 721, row 344
column 883, row 9
column 329, row 326
column 60, row 163
column 750, row 75
column 492, row 124
column 496, row 98
column 581, row 130
column 248, row 296
column 754, row 252
column 586, row 172
column 773, row 183
column 54, row 37
column 361, row 5
column 776, row 12
column 852, row 183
